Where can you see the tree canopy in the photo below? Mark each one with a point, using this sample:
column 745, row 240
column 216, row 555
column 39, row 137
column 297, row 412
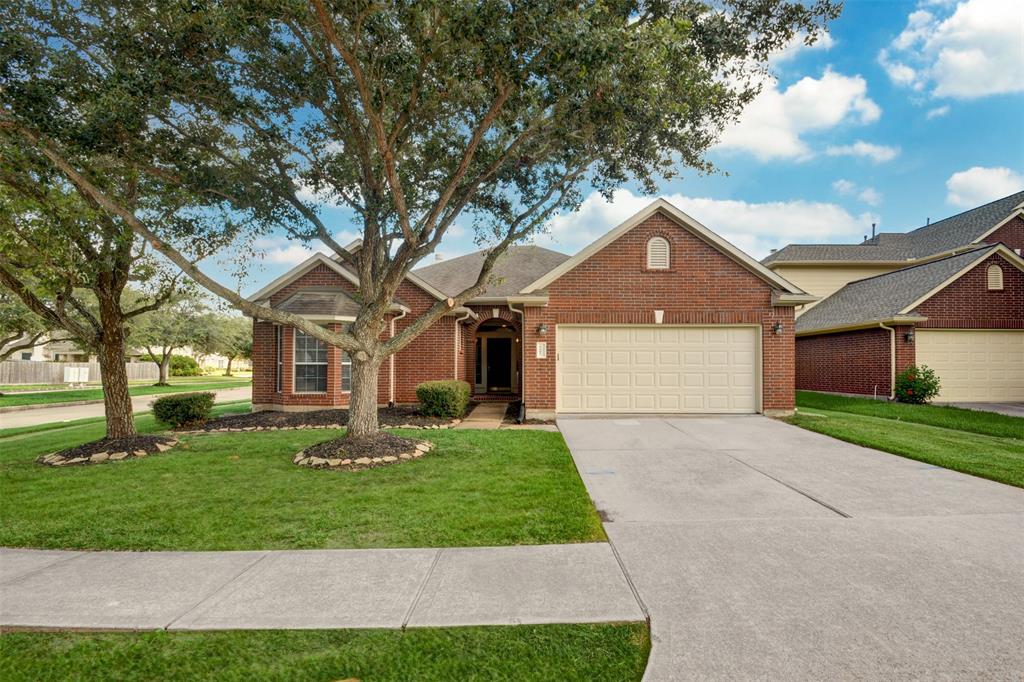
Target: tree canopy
column 411, row 114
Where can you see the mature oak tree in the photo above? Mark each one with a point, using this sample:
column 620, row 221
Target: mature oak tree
column 164, row 331
column 411, row 114
column 71, row 265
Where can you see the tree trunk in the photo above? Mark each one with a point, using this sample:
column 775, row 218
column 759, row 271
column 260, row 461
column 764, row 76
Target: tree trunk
column 165, row 370
column 362, row 409
column 117, row 402
column 227, row 372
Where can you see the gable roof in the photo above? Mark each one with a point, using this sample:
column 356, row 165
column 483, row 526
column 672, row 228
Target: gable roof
column 944, row 236
column 684, row 221
column 516, row 268
column 894, row 295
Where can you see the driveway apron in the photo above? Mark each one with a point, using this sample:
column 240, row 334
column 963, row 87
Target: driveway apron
column 761, row 550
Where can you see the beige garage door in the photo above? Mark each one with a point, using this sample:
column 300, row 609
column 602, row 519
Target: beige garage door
column 656, row 369
column 975, row 365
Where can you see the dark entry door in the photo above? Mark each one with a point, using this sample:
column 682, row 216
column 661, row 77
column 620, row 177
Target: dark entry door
column 499, row 364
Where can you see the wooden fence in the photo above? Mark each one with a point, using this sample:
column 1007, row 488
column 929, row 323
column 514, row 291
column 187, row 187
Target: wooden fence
column 42, row 372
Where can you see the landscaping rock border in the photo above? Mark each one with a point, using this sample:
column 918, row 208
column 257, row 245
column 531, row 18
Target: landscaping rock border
column 109, row 451
column 420, row 449
column 450, row 425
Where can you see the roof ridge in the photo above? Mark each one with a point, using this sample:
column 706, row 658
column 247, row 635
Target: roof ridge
column 980, row 247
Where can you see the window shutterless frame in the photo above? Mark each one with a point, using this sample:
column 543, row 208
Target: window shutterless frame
column 346, row 372
column 310, row 362
column 279, row 360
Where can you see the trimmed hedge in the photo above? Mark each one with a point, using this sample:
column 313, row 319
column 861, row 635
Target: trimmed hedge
column 184, row 366
column 186, row 409
column 445, row 399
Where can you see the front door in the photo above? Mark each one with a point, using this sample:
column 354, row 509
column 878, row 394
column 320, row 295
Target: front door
column 499, row 364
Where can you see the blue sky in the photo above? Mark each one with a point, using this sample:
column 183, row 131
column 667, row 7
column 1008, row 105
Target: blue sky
column 905, row 111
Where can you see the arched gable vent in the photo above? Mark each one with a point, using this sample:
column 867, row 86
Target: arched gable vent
column 995, row 278
column 657, row 253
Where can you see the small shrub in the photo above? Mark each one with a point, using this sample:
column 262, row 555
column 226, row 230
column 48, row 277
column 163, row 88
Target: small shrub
column 917, row 385
column 184, row 366
column 445, row 399
column 187, row 409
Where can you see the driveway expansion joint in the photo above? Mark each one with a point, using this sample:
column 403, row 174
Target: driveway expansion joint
column 795, row 489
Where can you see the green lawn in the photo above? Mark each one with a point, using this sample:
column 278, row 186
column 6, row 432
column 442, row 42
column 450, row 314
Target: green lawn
column 178, row 385
column 547, row 652
column 946, row 416
column 911, row 431
column 233, row 491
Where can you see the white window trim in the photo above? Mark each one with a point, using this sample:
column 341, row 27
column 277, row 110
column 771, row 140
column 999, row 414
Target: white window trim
column 988, row 277
column 661, row 241
column 341, row 376
column 279, row 359
column 326, row 365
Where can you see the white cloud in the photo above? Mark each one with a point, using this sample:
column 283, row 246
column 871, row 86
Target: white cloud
column 937, row 112
column 980, row 185
column 797, row 46
column 844, row 187
column 876, row 152
column 970, row 50
column 771, row 126
column 281, row 250
column 870, row 196
column 754, row 227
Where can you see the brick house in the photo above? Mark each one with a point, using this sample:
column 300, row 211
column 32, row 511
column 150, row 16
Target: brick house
column 658, row 315
column 962, row 315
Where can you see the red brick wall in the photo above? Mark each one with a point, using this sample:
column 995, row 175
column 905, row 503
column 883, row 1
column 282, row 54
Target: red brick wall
column 851, row 362
column 1011, row 234
column 702, row 286
column 430, row 356
column 968, row 304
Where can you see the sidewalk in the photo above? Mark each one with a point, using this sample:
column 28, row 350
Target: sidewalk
column 45, row 415
column 373, row 588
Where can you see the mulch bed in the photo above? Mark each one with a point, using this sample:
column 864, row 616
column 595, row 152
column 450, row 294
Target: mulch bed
column 399, row 416
column 109, row 450
column 353, row 454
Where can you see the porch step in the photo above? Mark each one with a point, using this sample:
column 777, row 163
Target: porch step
column 485, row 416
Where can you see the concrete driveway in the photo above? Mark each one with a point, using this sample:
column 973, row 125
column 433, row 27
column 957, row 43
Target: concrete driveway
column 765, row 551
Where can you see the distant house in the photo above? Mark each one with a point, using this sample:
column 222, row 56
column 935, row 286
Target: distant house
column 949, row 295
column 658, row 315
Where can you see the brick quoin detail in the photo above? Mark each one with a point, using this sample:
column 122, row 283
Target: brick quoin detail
column 702, row 287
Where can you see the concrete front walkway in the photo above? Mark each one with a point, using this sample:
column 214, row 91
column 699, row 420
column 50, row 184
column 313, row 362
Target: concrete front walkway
column 763, row 551
column 141, row 403
column 378, row 588
column 486, row 415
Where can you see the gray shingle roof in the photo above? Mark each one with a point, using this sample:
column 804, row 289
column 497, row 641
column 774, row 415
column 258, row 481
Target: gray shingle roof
column 320, row 302
column 944, row 235
column 884, row 296
column 517, row 267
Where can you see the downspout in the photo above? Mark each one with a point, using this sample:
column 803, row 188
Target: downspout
column 391, row 361
column 522, row 351
column 458, row 339
column 892, row 360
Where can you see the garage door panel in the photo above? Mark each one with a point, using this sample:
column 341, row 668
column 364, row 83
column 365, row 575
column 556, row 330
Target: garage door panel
column 975, row 365
column 656, row 369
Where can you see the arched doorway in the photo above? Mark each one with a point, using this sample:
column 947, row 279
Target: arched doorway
column 498, row 358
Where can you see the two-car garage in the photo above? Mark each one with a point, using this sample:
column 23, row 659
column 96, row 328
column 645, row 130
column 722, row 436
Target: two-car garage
column 657, row 369
column 975, row 365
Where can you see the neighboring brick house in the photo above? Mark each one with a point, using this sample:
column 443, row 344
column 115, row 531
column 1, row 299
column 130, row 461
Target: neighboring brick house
column 659, row 315
column 961, row 315
column 823, row 269
column 969, row 333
